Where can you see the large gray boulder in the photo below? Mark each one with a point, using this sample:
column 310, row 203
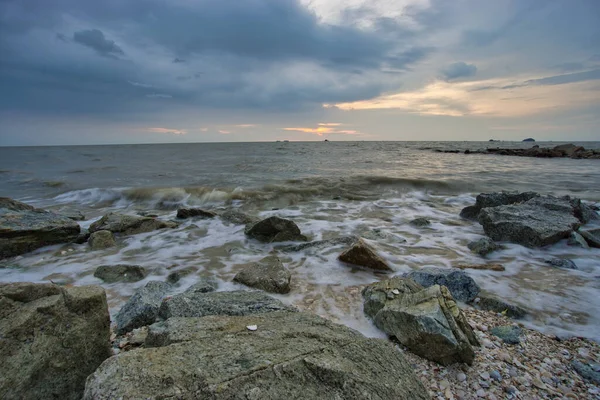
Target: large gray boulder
column 288, row 356
column 361, row 254
column 142, row 308
column 129, row 224
column 268, row 274
column 275, row 229
column 239, row 302
column 24, row 228
column 496, row 199
column 461, row 285
column 51, row 339
column 427, row 321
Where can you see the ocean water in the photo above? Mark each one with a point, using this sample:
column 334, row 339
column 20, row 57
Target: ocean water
column 329, row 189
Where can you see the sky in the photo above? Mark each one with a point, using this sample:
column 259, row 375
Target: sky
column 157, row 71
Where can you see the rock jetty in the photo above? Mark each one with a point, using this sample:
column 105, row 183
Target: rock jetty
column 565, row 151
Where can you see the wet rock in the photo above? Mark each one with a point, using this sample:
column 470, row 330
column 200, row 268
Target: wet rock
column 568, row 149
column 24, row 228
column 495, row 199
column 120, row 273
column 101, row 240
column 129, row 224
column 576, row 240
column 297, row 355
column 175, row 276
column 275, row 229
column 561, row 263
column 586, row 372
column 51, row 339
column 461, row 285
column 483, row 246
column 83, row 237
column 204, row 285
column 319, row 244
column 74, row 215
column 532, row 224
column 195, row 212
column 495, row 304
column 239, row 302
column 142, row 308
column 592, row 237
column 363, row 255
column 510, row 334
column 420, row 222
column 268, row 274
column 482, row 267
column 237, row 217
column 427, row 321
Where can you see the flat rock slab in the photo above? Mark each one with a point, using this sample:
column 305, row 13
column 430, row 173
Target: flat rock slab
column 239, row 302
column 129, row 224
column 195, row 212
column 24, row 228
column 288, row 356
column 461, row 285
column 592, row 237
column 268, row 274
column 51, row 339
column 142, row 308
column 364, row 255
column 495, row 304
column 319, row 244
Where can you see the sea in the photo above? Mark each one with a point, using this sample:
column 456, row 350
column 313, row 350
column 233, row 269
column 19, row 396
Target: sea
column 330, row 189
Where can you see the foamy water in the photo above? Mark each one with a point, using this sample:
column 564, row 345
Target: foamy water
column 329, row 190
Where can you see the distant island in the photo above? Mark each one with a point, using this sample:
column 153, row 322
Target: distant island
column 529, row 140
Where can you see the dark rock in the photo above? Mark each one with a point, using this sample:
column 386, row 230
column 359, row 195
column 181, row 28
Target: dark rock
column 420, row 222
column 129, row 224
column 576, row 240
column 510, row 334
column 592, row 237
column 268, row 274
column 238, row 217
column 529, row 140
column 290, row 355
column 561, row 263
column 496, row 199
column 482, row 267
column 74, row 215
column 483, row 246
column 176, row 276
column 275, row 229
column 24, row 228
column 568, row 149
column 492, row 303
column 240, row 302
column 101, row 240
column 461, row 285
column 195, row 212
column 319, row 244
column 51, row 339
column 586, row 372
column 83, row 237
column 427, row 321
column 363, row 255
column 142, row 308
column 204, row 285
column 120, row 273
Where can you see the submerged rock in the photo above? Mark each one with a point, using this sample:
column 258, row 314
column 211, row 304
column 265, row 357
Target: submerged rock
column 239, row 302
column 195, row 212
column 483, row 246
column 482, row 267
column 129, row 224
column 576, row 240
column 495, row 304
column 510, row 334
column 268, row 274
column 142, row 308
column 175, row 276
column 275, row 229
column 237, row 217
column 319, row 244
column 120, row 273
column 101, row 240
column 204, row 285
column 496, row 199
column 363, row 255
column 427, row 321
column 51, row 339
column 290, row 355
column 460, row 284
column 592, row 237
column 420, row 222
column 24, row 228
column 561, row 263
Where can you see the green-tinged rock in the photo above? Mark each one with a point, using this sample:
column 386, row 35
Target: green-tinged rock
column 51, row 339
column 592, row 237
column 288, row 356
column 142, row 308
column 129, row 224
column 319, row 244
column 120, row 273
column 363, row 255
column 483, row 246
column 510, row 334
column 203, row 285
column 586, row 372
column 195, row 212
column 275, row 229
column 24, row 228
column 268, row 274
column 427, row 321
column 491, row 303
column 237, row 217
column 420, row 222
column 576, row 240
column 239, row 302
column 101, row 240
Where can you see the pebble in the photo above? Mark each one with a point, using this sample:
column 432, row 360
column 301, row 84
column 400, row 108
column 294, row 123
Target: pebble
column 504, row 356
column 444, row 384
column 513, row 372
column 583, row 352
column 461, row 377
column 448, row 394
column 252, row 327
column 539, row 384
column 495, row 375
column 481, row 393
column 484, row 375
column 488, row 344
column 510, row 389
column 484, row 384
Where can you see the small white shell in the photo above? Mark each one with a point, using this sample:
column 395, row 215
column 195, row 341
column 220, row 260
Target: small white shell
column 252, row 327
column 396, row 291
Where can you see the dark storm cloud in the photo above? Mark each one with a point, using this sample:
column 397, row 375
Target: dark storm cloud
column 458, row 70
column 94, row 39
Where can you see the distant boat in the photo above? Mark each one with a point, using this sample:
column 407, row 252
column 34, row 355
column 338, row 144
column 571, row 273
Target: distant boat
column 529, row 140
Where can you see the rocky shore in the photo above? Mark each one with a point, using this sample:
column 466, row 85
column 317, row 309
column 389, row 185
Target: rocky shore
column 447, row 338
column 561, row 151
